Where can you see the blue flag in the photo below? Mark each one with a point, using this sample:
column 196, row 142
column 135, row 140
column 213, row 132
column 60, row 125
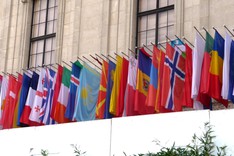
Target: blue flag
column 231, row 74
column 23, row 95
column 110, row 77
column 72, row 98
column 87, row 94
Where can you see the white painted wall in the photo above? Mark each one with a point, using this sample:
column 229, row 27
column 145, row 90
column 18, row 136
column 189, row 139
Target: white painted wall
column 131, row 135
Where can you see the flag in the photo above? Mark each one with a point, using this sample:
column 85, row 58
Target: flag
column 122, row 89
column 160, row 59
column 116, row 86
column 1, row 77
column 24, row 119
column 153, row 86
column 198, row 55
column 60, row 108
column 72, row 99
column 142, row 85
column 57, row 86
column 101, row 103
column 16, row 100
column 45, row 110
column 226, row 66
column 131, row 86
column 203, row 95
column 110, row 79
column 173, row 79
column 87, row 94
column 9, row 105
column 231, row 74
column 41, row 94
column 4, row 89
column 216, row 69
column 188, row 101
column 27, row 77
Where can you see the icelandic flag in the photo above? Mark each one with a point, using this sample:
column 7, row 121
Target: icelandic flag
column 72, row 98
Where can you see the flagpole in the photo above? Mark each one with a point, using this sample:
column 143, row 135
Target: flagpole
column 96, row 59
column 125, row 54
column 175, row 44
column 198, row 32
column 131, row 51
column 91, row 62
column 147, row 48
column 26, row 71
column 161, row 45
column 112, row 57
column 179, row 39
column 5, row 73
column 67, row 64
column 101, row 57
column 228, row 30
column 188, row 41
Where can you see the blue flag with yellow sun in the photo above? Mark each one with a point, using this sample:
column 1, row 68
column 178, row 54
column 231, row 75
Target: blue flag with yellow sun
column 87, row 94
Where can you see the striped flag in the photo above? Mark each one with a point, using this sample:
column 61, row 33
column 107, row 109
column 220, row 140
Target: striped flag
column 60, row 108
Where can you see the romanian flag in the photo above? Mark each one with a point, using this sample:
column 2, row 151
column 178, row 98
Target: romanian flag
column 216, row 69
column 188, row 101
column 110, row 78
column 60, row 108
column 101, row 103
column 153, row 87
column 123, row 84
column 116, row 86
column 143, row 81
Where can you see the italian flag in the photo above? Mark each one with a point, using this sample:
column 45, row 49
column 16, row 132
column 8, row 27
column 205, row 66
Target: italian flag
column 60, row 108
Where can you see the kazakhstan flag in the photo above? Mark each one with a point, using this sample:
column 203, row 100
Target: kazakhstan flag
column 87, row 94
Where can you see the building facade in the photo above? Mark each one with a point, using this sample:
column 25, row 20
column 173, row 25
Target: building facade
column 36, row 32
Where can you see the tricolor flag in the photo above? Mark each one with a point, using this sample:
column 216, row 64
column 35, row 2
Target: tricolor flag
column 110, row 78
column 27, row 77
column 173, row 79
column 47, row 101
column 153, row 86
column 72, row 99
column 122, row 89
column 143, row 81
column 87, row 94
column 226, row 66
column 116, row 86
column 4, row 89
column 216, row 69
column 198, row 55
column 188, row 101
column 57, row 86
column 131, row 86
column 41, row 94
column 24, row 119
column 101, row 103
column 60, row 108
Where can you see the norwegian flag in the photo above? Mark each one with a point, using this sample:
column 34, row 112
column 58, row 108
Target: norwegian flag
column 173, row 79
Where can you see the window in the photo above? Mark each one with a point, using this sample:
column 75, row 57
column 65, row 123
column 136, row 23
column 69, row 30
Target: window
column 155, row 19
column 43, row 32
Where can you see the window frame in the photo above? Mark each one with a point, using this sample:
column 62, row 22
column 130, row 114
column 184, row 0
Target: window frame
column 155, row 11
column 40, row 38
